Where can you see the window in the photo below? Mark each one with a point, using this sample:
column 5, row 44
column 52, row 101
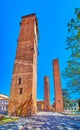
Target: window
column 74, row 108
column 6, row 102
column 74, row 104
column 19, row 81
column 20, row 90
column 2, row 108
column 32, row 49
column 2, row 102
column 6, row 107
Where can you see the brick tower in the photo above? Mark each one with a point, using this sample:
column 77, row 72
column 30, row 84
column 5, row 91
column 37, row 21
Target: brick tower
column 46, row 94
column 24, row 79
column 57, row 87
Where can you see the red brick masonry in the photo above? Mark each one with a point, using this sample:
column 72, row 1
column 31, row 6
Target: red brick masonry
column 57, row 87
column 24, row 79
column 46, row 94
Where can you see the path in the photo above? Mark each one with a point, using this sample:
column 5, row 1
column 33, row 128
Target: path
column 45, row 121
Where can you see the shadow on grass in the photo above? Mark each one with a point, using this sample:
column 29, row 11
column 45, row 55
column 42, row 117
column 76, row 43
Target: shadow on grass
column 5, row 120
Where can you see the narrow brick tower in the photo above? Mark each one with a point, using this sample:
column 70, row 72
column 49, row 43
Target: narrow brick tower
column 46, row 94
column 57, row 87
column 24, row 79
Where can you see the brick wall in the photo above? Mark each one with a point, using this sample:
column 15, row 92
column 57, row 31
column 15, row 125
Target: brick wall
column 46, row 94
column 57, row 87
column 24, row 79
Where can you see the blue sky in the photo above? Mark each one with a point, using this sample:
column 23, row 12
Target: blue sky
column 52, row 22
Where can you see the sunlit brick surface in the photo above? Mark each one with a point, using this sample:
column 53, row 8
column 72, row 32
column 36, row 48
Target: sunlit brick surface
column 57, row 87
column 24, row 79
column 46, row 94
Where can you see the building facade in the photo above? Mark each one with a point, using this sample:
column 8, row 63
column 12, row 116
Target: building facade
column 4, row 101
column 24, row 78
column 73, row 107
column 40, row 105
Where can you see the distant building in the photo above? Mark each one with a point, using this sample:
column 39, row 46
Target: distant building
column 73, row 106
column 4, row 101
column 40, row 105
column 53, row 107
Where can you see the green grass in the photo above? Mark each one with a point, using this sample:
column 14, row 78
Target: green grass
column 8, row 120
column 74, row 114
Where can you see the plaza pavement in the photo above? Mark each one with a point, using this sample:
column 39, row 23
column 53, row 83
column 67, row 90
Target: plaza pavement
column 45, row 121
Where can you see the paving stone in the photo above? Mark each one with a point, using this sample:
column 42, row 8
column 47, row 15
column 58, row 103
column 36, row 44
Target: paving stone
column 45, row 121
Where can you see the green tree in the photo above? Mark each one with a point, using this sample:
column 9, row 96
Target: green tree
column 66, row 98
column 79, row 103
column 72, row 71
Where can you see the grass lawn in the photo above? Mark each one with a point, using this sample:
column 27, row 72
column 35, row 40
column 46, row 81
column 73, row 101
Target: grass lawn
column 74, row 114
column 7, row 120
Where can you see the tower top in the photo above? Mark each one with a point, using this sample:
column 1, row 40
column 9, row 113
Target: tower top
column 55, row 60
column 46, row 77
column 29, row 15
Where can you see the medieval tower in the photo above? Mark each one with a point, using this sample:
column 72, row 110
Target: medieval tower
column 57, row 87
column 24, row 79
column 46, row 94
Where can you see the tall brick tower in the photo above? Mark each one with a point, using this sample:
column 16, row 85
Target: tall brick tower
column 57, row 87
column 24, row 79
column 46, row 94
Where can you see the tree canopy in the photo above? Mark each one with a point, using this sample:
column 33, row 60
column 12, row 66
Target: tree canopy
column 66, row 98
column 72, row 71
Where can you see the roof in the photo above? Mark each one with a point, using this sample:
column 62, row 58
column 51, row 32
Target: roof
column 40, row 101
column 73, row 100
column 2, row 96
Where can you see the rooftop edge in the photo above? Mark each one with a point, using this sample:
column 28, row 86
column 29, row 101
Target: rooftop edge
column 29, row 15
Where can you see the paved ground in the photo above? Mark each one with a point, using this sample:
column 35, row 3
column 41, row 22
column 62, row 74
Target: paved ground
column 45, row 121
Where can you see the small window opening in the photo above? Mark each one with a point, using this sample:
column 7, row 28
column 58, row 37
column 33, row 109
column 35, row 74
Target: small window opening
column 58, row 100
column 32, row 49
column 19, row 81
column 20, row 91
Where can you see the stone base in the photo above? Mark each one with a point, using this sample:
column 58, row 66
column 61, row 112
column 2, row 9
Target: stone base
column 22, row 109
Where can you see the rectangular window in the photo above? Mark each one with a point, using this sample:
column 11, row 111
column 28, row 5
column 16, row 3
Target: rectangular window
column 20, row 90
column 19, row 81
